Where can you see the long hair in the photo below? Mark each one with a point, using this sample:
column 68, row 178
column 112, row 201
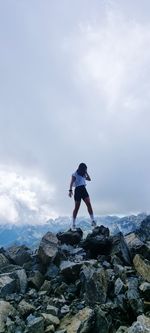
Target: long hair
column 82, row 168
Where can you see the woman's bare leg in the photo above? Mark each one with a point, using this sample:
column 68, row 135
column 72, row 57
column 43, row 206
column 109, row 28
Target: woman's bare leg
column 90, row 210
column 75, row 211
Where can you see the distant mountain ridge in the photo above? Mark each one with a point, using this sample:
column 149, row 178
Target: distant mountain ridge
column 30, row 235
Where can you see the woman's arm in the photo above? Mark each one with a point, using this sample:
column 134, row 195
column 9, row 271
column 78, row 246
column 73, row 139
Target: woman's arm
column 71, row 184
column 87, row 177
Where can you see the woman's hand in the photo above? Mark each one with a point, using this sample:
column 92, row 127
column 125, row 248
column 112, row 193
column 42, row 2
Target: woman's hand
column 70, row 193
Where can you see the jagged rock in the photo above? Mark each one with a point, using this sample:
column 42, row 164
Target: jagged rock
column 98, row 242
column 64, row 310
column 50, row 329
column 94, row 284
column 119, row 286
column 133, row 297
column 74, row 324
column 144, row 231
column 52, row 310
column 46, row 286
column 50, row 319
column 7, row 285
column 19, row 276
column 22, row 277
column 103, row 321
column 122, row 329
column 48, row 248
column 6, row 309
column 71, row 237
column 145, row 289
column 142, row 266
column 61, row 331
column 137, row 246
column 36, row 280
column 70, row 270
column 35, row 324
column 120, row 249
column 3, row 261
column 25, row 308
column 142, row 325
column 52, row 271
column 19, row 254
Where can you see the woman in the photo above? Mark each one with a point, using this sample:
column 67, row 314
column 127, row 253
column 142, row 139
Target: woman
column 79, row 181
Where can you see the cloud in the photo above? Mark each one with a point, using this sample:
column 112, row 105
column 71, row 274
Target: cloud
column 74, row 87
column 24, row 198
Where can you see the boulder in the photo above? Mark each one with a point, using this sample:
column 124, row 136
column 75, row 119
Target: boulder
column 25, row 308
column 75, row 323
column 142, row 266
column 18, row 274
column 50, row 319
column 7, row 285
column 133, row 296
column 48, row 248
column 3, row 261
column 35, row 324
column 71, row 237
column 94, row 285
column 6, row 309
column 144, row 231
column 120, row 249
column 142, row 325
column 19, row 254
column 98, row 242
column 36, row 280
column 70, row 270
column 137, row 246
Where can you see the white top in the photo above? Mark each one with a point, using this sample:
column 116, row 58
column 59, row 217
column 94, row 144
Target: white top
column 79, row 180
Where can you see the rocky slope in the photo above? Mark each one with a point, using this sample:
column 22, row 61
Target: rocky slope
column 69, row 285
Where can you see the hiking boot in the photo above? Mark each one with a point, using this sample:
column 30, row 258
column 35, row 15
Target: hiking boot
column 93, row 224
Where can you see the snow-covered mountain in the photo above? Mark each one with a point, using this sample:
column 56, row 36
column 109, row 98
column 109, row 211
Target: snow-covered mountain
column 31, row 234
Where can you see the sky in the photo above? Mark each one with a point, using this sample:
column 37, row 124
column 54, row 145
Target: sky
column 74, row 87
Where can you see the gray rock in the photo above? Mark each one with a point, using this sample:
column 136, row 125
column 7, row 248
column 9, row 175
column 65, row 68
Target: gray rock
column 52, row 271
column 75, row 323
column 137, row 246
column 50, row 329
column 142, row 325
column 122, row 329
column 133, row 296
column 48, row 248
column 119, row 286
column 25, row 308
column 120, row 249
column 6, row 309
column 7, row 285
column 103, row 322
column 52, row 310
column 19, row 254
column 70, row 270
column 35, row 324
column 94, row 285
column 36, row 279
column 3, row 261
column 50, row 319
column 145, row 289
column 46, row 286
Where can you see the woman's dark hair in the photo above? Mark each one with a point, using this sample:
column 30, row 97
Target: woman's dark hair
column 82, row 168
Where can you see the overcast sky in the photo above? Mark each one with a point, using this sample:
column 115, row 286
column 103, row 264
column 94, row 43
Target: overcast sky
column 74, row 87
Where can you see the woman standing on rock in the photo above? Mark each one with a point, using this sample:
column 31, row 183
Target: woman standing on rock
column 78, row 180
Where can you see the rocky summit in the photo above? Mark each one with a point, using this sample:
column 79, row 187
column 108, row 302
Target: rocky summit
column 100, row 284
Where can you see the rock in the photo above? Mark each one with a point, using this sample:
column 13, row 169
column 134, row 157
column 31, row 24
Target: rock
column 36, row 280
column 71, row 237
column 6, row 309
column 21, row 274
column 120, row 249
column 61, row 331
column 142, row 266
column 48, row 248
column 35, row 324
column 50, row 329
column 94, row 284
column 7, row 285
column 50, row 319
column 19, row 254
column 74, row 324
column 46, row 286
column 144, row 231
column 119, row 286
column 52, row 271
column 103, row 322
column 137, row 246
column 70, row 270
column 97, row 243
column 142, row 325
column 52, row 310
column 133, row 297
column 145, row 289
column 25, row 308
column 122, row 329
column 19, row 277
column 64, row 310
column 3, row 261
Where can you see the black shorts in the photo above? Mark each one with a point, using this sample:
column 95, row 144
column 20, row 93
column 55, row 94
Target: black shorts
column 80, row 193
